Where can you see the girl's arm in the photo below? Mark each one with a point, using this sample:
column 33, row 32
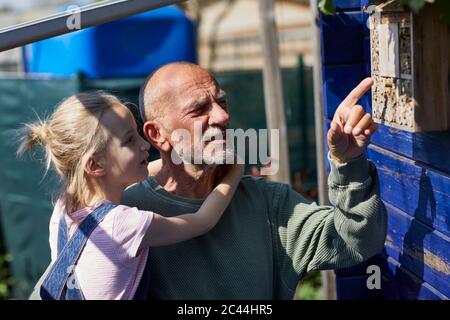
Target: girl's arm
column 154, row 167
column 169, row 230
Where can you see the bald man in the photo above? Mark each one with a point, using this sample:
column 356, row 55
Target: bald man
column 270, row 237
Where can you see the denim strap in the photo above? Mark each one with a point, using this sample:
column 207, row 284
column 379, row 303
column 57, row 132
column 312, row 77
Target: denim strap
column 53, row 286
column 62, row 235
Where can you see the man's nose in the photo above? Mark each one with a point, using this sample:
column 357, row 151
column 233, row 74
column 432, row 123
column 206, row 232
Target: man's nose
column 218, row 116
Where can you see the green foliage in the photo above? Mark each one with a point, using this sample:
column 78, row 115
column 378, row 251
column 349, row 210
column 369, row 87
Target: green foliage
column 442, row 5
column 444, row 9
column 415, row 5
column 6, row 279
column 327, row 6
column 310, row 288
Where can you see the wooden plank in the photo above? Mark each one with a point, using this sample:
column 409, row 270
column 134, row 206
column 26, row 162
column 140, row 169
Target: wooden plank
column 431, row 37
column 396, row 283
column 341, row 38
column 428, row 147
column 431, row 148
column 420, row 192
column 438, row 183
column 405, row 285
column 389, row 61
column 409, row 179
column 419, row 249
column 338, row 82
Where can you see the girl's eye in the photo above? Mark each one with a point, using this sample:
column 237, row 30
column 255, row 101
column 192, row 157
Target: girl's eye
column 129, row 140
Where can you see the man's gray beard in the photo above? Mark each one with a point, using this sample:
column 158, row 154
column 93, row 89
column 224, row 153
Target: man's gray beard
column 225, row 155
column 210, row 153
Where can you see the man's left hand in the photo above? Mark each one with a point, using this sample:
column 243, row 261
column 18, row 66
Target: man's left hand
column 351, row 127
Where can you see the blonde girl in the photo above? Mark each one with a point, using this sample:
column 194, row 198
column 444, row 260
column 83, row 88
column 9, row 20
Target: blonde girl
column 98, row 246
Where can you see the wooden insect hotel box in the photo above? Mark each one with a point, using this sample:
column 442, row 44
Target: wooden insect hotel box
column 410, row 56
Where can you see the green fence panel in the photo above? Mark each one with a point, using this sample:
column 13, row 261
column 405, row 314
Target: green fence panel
column 24, row 192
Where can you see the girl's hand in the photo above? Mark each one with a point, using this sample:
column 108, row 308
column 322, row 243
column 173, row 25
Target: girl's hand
column 154, row 167
column 169, row 230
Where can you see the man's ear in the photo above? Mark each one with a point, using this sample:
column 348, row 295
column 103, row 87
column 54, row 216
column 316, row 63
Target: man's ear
column 155, row 134
column 94, row 167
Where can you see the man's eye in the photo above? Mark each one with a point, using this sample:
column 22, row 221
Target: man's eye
column 129, row 140
column 198, row 110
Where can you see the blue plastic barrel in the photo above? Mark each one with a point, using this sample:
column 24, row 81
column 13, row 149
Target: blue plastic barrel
column 130, row 47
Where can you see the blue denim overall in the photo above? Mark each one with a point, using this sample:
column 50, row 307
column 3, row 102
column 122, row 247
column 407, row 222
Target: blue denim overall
column 60, row 283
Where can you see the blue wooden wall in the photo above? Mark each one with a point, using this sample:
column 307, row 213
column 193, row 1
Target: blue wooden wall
column 414, row 172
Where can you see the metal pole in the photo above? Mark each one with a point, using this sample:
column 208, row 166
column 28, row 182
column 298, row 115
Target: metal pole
column 273, row 90
column 328, row 277
column 90, row 15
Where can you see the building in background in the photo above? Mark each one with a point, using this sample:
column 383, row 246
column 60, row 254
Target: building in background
column 229, row 33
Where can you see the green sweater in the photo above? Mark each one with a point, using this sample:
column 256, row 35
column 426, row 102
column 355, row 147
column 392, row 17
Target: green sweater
column 268, row 238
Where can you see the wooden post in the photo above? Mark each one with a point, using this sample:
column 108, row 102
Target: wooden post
column 328, row 277
column 273, row 92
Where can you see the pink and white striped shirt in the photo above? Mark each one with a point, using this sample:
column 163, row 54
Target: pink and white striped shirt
column 111, row 264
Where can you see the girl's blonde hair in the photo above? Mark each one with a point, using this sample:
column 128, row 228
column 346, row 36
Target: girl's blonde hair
column 70, row 137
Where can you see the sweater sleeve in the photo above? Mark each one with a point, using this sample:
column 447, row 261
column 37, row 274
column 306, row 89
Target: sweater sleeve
column 312, row 237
